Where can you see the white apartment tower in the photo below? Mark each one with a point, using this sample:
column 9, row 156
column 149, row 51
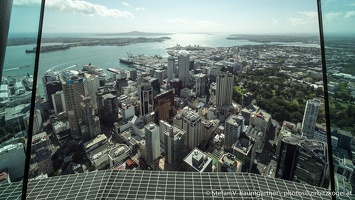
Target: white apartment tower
column 310, row 118
column 224, row 90
column 191, row 122
column 152, row 142
column 92, row 85
column 183, row 64
column 233, row 128
column 171, row 68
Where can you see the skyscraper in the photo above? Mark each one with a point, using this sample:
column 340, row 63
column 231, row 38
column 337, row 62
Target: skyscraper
column 183, row 64
column 163, row 105
column 73, row 90
column 171, row 67
column 302, row 160
column 92, row 122
column 310, row 117
column 48, row 77
column 59, row 102
column 175, row 147
column 233, row 128
column 191, row 122
column 92, row 85
column 51, row 88
column 200, row 85
column 152, row 142
column 146, row 99
column 224, row 90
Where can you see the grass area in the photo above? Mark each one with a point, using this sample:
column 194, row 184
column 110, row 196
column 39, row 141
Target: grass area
column 238, row 89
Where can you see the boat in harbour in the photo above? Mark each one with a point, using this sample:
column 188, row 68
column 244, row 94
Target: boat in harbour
column 126, row 61
column 92, row 69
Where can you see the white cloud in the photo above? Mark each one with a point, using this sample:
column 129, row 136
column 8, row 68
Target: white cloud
column 79, row 6
column 274, row 21
column 140, row 9
column 27, row 2
column 329, row 17
column 176, row 21
column 349, row 14
column 135, row 8
column 209, row 24
column 304, row 18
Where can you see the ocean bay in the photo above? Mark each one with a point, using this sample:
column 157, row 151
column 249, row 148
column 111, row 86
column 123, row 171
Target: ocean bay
column 105, row 56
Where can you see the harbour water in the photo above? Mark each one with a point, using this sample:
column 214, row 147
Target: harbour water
column 107, row 56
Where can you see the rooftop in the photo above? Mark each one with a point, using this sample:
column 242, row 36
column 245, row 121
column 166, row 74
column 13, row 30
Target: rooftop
column 198, row 160
column 94, row 141
column 243, row 145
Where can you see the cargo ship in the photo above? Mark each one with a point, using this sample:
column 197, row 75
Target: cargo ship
column 48, row 48
column 126, row 61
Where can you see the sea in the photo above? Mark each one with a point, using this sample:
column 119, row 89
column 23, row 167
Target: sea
column 107, row 56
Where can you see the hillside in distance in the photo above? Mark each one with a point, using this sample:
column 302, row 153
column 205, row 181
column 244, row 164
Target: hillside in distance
column 133, row 33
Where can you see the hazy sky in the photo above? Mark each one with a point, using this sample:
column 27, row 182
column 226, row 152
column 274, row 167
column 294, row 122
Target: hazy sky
column 232, row 16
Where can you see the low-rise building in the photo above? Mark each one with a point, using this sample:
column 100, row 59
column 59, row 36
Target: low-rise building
column 118, row 154
column 95, row 143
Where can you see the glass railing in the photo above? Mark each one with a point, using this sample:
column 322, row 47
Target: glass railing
column 16, row 93
column 339, row 41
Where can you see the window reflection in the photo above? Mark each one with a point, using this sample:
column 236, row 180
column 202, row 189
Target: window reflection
column 16, row 95
column 339, row 42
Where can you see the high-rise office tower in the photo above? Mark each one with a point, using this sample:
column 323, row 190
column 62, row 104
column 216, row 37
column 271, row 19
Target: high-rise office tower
column 176, row 84
column 146, row 99
column 51, row 88
column 37, row 121
column 59, row 102
column 107, row 105
column 302, row 160
column 120, row 83
column 91, row 122
column 171, row 67
column 159, row 75
column 183, row 64
column 200, row 84
column 233, row 128
column 152, row 142
column 92, row 85
column 191, row 122
column 154, row 82
column 310, row 117
column 73, row 90
column 224, row 90
column 163, row 106
column 163, row 126
column 175, row 147
column 133, row 75
column 49, row 76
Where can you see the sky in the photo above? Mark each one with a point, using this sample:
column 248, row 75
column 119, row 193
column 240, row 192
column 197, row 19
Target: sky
column 182, row 16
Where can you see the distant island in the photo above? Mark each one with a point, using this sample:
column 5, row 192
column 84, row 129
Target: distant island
column 275, row 38
column 72, row 42
column 133, row 33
